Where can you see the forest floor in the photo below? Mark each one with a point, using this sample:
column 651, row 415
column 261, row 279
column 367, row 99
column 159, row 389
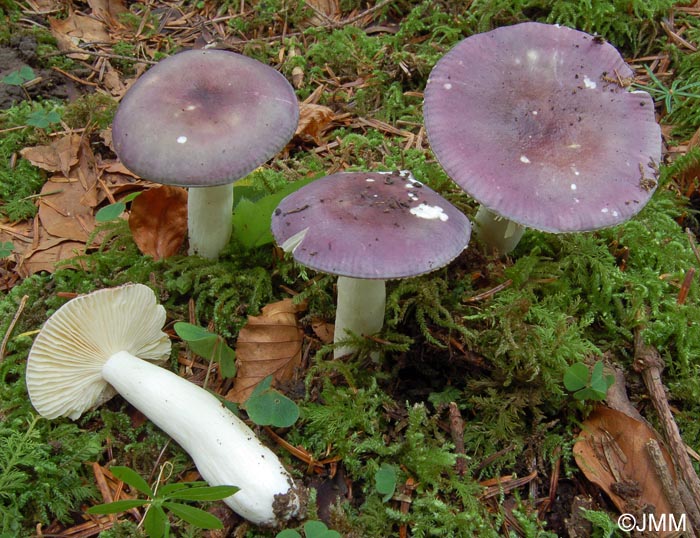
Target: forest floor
column 484, row 407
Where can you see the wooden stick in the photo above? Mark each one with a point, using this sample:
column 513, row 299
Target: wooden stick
column 6, row 338
column 457, row 433
column 649, row 363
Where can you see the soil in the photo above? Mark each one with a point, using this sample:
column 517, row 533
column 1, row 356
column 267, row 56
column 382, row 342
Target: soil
column 49, row 84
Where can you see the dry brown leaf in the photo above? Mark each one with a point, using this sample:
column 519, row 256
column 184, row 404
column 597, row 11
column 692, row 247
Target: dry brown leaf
column 313, row 120
column 76, row 29
column 112, row 81
column 108, row 11
column 58, row 156
column 45, row 6
column 269, row 344
column 45, row 252
column 87, row 173
column 611, row 452
column 323, row 330
column 325, row 11
column 158, row 220
column 691, row 173
column 61, row 211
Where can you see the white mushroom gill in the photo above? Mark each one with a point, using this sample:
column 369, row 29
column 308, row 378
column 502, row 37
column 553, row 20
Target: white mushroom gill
column 294, row 241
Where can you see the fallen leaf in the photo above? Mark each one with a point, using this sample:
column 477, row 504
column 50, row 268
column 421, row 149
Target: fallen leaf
column 76, row 29
column 325, row 11
column 59, row 156
column 86, row 171
column 690, row 174
column 108, row 11
column 158, row 221
column 323, row 330
column 46, row 253
column 61, row 211
column 113, row 82
column 611, row 452
column 269, row 344
column 313, row 121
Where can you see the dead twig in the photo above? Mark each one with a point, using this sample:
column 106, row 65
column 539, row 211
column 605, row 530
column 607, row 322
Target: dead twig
column 488, row 293
column 649, row 363
column 693, row 246
column 457, row 433
column 10, row 328
column 663, row 473
column 685, row 286
column 101, row 55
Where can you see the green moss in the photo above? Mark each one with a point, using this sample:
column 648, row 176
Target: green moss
column 43, row 475
column 92, row 109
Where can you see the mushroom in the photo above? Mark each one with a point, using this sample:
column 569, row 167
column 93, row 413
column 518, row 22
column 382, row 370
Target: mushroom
column 106, row 341
column 368, row 228
column 537, row 123
column 204, row 119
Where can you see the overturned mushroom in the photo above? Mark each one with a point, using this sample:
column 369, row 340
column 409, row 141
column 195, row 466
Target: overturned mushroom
column 104, row 342
column 204, row 119
column 368, row 228
column 536, row 122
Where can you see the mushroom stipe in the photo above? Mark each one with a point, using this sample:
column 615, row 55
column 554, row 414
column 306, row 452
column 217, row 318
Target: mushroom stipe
column 105, row 342
column 204, row 119
column 368, row 227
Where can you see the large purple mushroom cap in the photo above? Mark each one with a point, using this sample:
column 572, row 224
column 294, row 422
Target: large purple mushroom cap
column 535, row 122
column 204, row 117
column 370, row 226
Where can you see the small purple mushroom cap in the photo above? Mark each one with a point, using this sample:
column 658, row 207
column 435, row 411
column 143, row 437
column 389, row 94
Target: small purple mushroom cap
column 535, row 122
column 370, row 226
column 204, row 117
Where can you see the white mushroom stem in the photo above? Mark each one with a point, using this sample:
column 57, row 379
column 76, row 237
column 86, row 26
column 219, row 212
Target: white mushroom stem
column 360, row 309
column 497, row 233
column 209, row 219
column 224, row 449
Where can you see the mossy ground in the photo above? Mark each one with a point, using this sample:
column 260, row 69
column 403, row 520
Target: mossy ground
column 501, row 359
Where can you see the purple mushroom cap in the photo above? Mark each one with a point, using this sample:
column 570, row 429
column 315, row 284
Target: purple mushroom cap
column 371, row 225
column 535, row 122
column 204, row 117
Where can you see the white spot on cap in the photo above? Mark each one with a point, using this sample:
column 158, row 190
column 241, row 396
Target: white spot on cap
column 615, row 213
column 604, row 210
column 573, row 186
column 181, row 139
column 574, row 146
column 447, row 86
column 412, row 196
column 534, row 112
column 430, row 212
column 532, row 55
column 524, row 159
column 590, row 84
column 369, row 180
column 190, row 107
